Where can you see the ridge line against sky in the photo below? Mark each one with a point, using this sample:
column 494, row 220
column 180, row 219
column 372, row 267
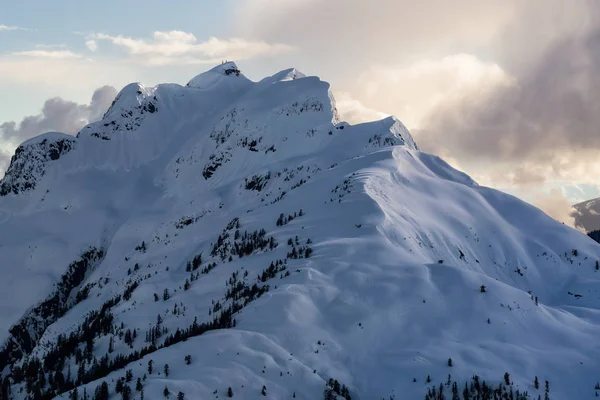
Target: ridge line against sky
column 506, row 91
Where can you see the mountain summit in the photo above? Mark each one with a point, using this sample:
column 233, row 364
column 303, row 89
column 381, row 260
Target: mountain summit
column 231, row 238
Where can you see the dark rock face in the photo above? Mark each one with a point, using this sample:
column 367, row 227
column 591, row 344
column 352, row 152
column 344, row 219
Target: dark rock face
column 127, row 120
column 29, row 162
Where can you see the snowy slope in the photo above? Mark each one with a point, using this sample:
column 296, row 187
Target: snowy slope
column 287, row 247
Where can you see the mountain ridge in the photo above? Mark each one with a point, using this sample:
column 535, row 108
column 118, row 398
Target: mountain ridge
column 286, row 247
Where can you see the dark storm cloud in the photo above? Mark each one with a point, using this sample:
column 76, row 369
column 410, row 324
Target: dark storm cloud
column 59, row 115
column 553, row 106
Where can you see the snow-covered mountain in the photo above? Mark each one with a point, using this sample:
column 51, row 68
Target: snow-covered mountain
column 241, row 234
column 588, row 214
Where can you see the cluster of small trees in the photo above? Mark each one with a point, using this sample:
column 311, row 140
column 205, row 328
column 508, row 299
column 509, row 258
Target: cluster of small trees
column 129, row 290
column 283, row 220
column 478, row 389
column 301, row 251
column 342, row 189
column 156, row 331
column 257, row 182
column 141, row 247
column 272, row 271
column 243, row 244
column 194, row 264
column 333, row 389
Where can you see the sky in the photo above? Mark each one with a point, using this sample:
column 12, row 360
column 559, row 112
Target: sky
column 507, row 91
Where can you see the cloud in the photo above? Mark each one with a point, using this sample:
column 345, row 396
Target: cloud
column 92, row 45
column 528, row 176
column 410, row 91
column 554, row 106
column 51, row 46
column 558, row 207
column 11, row 28
column 58, row 115
column 176, row 47
column 60, row 54
column 353, row 111
column 67, row 76
column 549, row 108
column 361, row 32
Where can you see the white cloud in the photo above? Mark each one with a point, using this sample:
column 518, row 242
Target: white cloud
column 11, row 28
column 557, row 206
column 92, row 45
column 382, row 28
column 353, row 111
column 51, row 46
column 411, row 91
column 72, row 77
column 57, row 54
column 184, row 48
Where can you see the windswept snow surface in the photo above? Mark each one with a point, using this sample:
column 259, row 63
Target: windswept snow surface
column 401, row 244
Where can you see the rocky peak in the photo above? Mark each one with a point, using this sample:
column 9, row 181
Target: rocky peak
column 31, row 159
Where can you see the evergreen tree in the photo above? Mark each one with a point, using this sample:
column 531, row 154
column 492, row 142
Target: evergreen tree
column 229, row 392
column 126, row 393
column 138, row 385
column 128, row 339
column 188, row 359
column 264, row 390
column 166, row 369
column 80, row 373
column 506, row 379
column 166, row 295
column 101, row 392
column 536, row 383
column 449, row 362
column 150, row 362
column 166, row 392
column 119, row 386
column 482, row 288
column 180, row 396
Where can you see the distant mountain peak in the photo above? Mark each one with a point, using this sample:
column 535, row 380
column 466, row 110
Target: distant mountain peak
column 28, row 164
column 226, row 73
